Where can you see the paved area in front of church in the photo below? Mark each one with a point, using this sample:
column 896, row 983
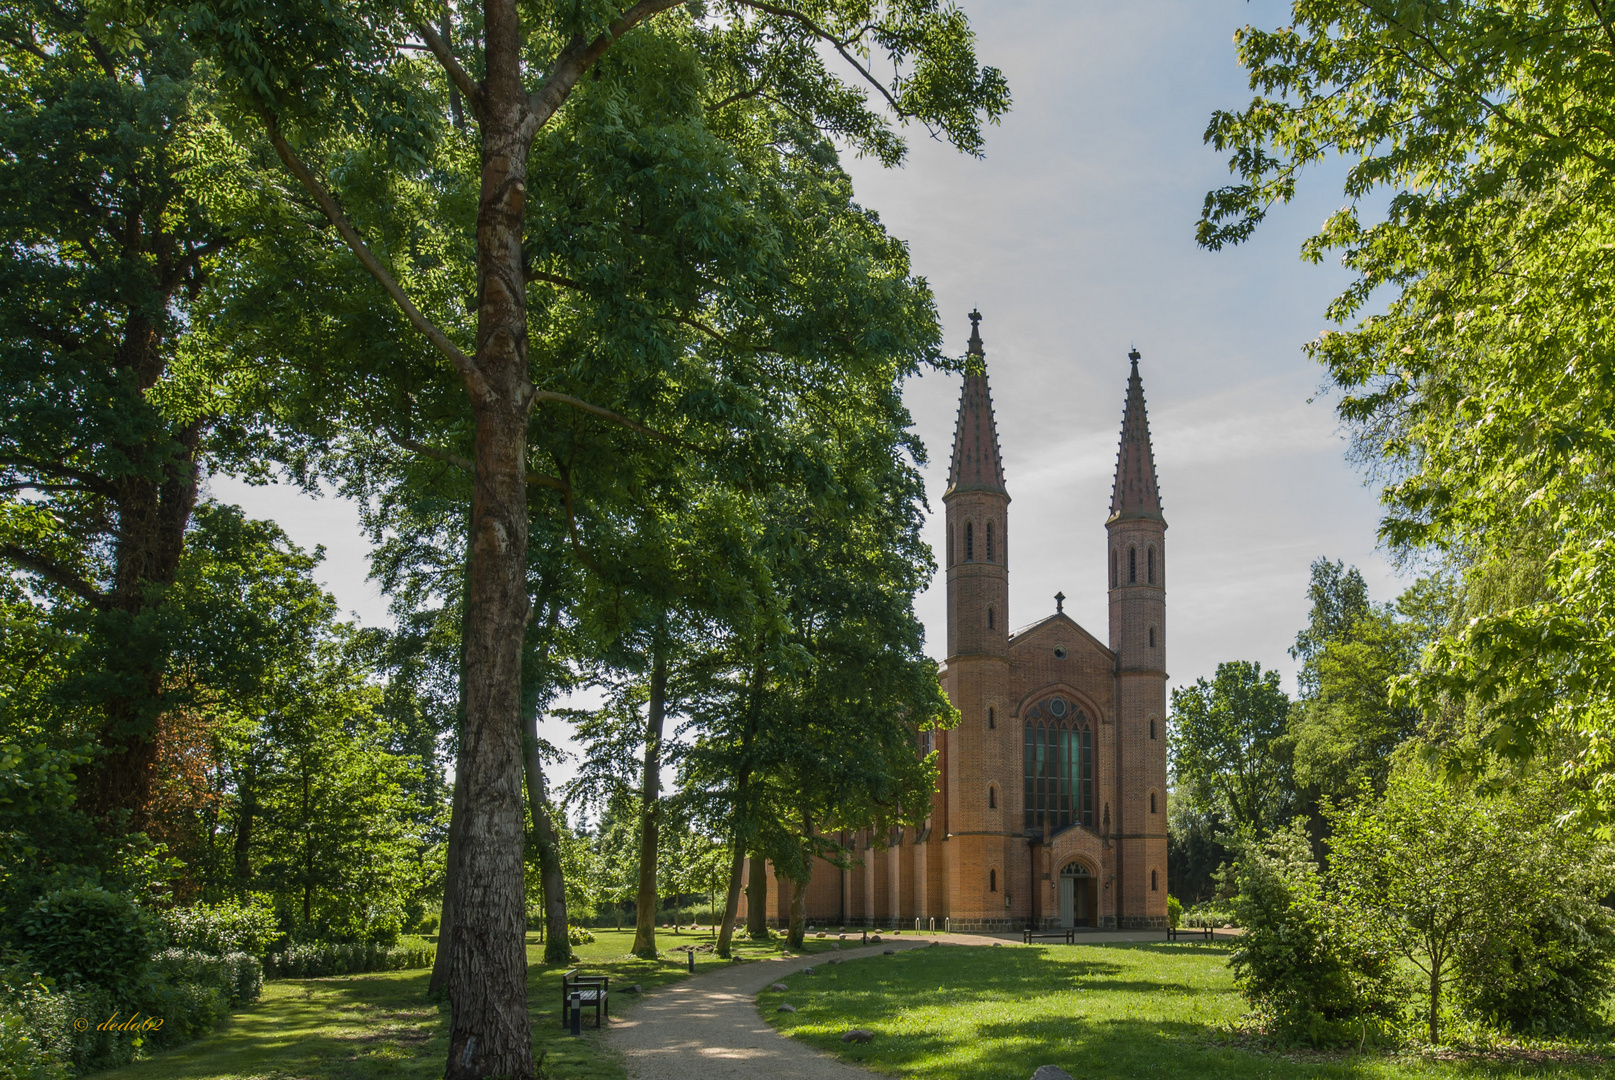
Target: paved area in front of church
column 707, row 1027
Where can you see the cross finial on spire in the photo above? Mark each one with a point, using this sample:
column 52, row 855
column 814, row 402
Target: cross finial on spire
column 975, row 334
column 1059, row 603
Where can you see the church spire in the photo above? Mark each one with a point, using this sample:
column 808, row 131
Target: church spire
column 977, row 465
column 1135, row 494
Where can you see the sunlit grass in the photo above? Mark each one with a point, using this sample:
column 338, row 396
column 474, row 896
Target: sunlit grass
column 356, row 1027
column 984, row 1013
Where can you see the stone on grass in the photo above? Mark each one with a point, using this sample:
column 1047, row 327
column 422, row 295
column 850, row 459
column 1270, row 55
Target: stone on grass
column 807, row 971
column 874, row 939
column 837, row 945
column 1050, row 1072
column 996, row 944
column 858, row 1035
column 636, row 989
column 792, row 1008
column 819, row 934
column 781, row 987
column 888, row 952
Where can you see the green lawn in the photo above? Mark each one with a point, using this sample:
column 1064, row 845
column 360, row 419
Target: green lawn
column 356, row 1027
column 984, row 1013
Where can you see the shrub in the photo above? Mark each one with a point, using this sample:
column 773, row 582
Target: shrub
column 1317, row 972
column 88, row 934
column 577, row 935
column 230, row 927
column 21, row 1055
column 427, row 925
column 189, row 1010
column 1550, row 973
column 322, row 959
column 238, row 976
column 1174, row 911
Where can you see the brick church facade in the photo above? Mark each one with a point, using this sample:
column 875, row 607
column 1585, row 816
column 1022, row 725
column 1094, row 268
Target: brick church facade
column 1051, row 805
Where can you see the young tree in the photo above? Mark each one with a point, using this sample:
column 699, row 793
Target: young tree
column 1228, row 747
column 1427, row 862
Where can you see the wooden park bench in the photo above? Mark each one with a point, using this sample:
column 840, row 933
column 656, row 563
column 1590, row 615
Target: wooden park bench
column 1067, row 934
column 591, row 990
column 1174, row 932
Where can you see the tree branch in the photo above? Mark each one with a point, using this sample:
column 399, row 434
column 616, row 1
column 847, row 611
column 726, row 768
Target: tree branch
column 462, row 363
column 457, row 74
column 463, row 464
column 578, row 56
column 838, row 44
column 605, row 414
column 99, row 485
column 54, row 574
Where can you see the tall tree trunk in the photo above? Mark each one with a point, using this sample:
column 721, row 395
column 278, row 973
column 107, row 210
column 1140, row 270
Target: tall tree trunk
column 557, row 939
column 246, row 818
column 451, row 876
column 650, row 810
column 798, row 930
column 757, row 897
column 489, row 1029
column 553, row 931
column 731, row 902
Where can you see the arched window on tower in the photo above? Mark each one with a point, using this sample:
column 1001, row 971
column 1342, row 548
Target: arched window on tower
column 1152, row 727
column 992, row 881
column 1152, row 802
column 992, row 798
column 970, row 542
column 992, row 719
column 989, row 541
column 1059, row 766
column 989, row 618
column 1152, row 881
column 1152, row 637
column 1132, row 565
column 950, row 547
column 1149, row 563
column 1114, row 580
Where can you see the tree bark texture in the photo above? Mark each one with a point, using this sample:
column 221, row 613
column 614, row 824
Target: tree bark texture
column 489, row 1029
column 650, row 810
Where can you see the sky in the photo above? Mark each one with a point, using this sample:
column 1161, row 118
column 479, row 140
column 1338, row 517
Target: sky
column 1074, row 236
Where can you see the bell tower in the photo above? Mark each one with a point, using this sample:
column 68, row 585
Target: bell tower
column 1136, row 564
column 980, row 772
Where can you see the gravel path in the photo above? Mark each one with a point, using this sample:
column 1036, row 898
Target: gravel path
column 707, row 1027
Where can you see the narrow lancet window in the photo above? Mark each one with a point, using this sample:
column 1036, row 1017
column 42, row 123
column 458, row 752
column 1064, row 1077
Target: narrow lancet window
column 1114, row 580
column 970, row 542
column 1132, row 565
column 992, row 799
column 989, row 618
column 989, row 541
column 992, row 881
column 992, row 719
column 1149, row 562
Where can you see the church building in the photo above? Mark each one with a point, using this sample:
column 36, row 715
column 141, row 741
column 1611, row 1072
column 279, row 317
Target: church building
column 1051, row 806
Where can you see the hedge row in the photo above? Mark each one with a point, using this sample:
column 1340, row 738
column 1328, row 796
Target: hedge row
column 317, row 960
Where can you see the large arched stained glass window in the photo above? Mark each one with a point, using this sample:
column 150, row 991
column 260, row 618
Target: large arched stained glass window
column 1059, row 766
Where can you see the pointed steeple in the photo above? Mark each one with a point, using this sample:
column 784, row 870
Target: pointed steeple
column 1135, row 494
column 977, row 464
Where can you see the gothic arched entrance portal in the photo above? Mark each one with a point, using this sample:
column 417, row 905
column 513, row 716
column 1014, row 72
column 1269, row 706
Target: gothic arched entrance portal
column 1077, row 899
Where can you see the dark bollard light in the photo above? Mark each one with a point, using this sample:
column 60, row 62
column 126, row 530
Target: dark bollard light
column 576, row 1006
column 692, row 961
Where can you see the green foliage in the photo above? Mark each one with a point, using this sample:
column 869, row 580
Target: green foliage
column 1317, row 970
column 578, row 935
column 1228, row 750
column 88, row 934
column 1484, row 892
column 1174, row 911
column 317, row 960
column 1479, row 393
column 21, row 1056
column 232, row 926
